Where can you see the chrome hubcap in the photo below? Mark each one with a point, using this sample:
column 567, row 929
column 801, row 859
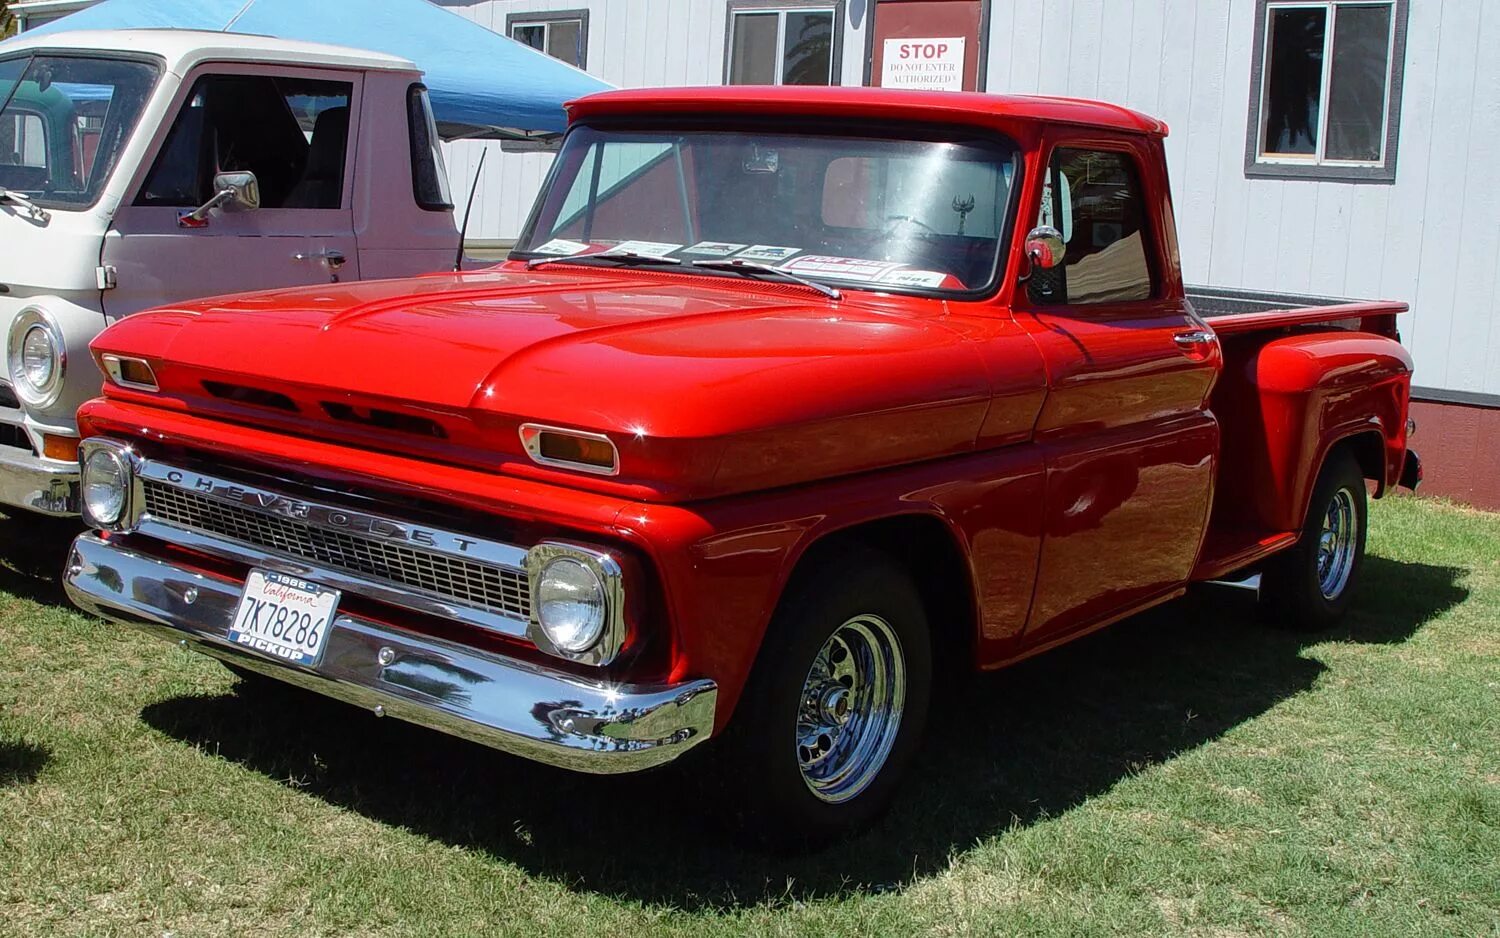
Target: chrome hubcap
column 1336, row 544
column 851, row 708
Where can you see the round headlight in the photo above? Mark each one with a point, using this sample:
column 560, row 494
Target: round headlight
column 36, row 358
column 572, row 608
column 105, row 484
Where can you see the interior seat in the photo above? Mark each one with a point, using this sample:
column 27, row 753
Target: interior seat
column 322, row 182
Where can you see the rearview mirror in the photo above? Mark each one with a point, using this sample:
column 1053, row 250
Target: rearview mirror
column 1045, row 247
column 243, row 189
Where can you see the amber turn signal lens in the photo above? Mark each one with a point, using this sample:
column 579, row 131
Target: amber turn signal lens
column 571, row 449
column 64, row 448
column 130, row 372
column 577, row 449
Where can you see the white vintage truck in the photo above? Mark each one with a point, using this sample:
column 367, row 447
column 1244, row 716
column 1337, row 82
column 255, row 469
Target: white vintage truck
column 142, row 167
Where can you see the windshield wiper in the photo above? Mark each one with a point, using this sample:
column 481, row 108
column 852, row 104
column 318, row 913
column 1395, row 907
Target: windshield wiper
column 762, row 270
column 31, row 207
column 622, row 258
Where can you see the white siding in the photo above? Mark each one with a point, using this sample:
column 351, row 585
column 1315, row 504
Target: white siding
column 1431, row 238
column 632, row 44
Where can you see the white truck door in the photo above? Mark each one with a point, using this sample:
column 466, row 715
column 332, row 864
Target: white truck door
column 295, row 130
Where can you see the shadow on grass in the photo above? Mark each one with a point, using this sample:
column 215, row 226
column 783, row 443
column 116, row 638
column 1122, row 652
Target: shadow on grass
column 33, row 549
column 21, row 762
column 1026, row 743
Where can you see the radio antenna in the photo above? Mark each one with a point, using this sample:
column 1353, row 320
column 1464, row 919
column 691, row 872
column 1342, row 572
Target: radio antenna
column 463, row 231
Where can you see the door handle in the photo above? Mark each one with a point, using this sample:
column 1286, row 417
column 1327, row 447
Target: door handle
column 1195, row 341
column 334, row 259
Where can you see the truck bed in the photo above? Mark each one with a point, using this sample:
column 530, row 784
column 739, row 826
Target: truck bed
column 1232, row 311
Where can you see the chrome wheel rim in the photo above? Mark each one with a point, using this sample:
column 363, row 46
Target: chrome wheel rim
column 850, row 711
column 1336, row 544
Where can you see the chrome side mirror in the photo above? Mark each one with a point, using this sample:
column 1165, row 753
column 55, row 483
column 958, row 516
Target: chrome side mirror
column 1045, row 247
column 240, row 190
column 243, row 189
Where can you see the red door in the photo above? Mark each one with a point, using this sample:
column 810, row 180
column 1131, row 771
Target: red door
column 913, row 29
column 1127, row 437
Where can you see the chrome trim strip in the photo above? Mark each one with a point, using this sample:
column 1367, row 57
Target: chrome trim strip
column 343, row 520
column 534, row 712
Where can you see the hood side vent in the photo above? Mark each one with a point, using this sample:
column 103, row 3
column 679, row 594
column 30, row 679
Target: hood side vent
column 386, row 420
column 256, row 397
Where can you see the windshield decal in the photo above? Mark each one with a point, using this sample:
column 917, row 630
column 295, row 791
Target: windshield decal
column 644, row 248
column 841, row 268
column 766, row 252
column 925, row 279
column 561, row 247
column 714, row 248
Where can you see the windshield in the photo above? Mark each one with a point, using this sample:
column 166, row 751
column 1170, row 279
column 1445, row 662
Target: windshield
column 64, row 122
column 856, row 211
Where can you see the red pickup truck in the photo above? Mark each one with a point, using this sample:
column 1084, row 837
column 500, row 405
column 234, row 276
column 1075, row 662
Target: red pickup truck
column 789, row 404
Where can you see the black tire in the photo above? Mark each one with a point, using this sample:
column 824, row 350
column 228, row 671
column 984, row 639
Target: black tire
column 772, row 802
column 1294, row 591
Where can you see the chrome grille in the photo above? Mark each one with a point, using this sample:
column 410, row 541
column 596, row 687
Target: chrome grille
column 484, row 586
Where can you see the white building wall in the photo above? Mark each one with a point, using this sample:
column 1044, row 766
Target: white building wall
column 1432, row 238
column 632, row 44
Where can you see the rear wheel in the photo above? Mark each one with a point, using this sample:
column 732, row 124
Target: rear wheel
column 1310, row 586
column 835, row 709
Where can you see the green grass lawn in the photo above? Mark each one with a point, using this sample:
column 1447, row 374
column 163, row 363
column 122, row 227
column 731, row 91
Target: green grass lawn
column 1188, row 772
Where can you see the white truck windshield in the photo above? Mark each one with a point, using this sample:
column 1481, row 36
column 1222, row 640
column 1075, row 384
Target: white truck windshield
column 64, row 121
column 855, row 211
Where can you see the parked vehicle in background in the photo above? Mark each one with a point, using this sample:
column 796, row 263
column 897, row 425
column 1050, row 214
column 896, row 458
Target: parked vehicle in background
column 142, row 167
column 790, row 403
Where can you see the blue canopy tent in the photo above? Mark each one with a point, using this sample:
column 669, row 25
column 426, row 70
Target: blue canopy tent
column 483, row 85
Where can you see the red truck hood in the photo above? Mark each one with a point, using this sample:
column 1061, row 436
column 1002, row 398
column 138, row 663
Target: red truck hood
column 706, row 387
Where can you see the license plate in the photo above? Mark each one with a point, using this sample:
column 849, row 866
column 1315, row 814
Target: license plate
column 284, row 617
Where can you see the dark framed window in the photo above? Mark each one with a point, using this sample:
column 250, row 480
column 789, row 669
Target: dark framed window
column 562, row 34
column 292, row 133
column 1326, row 89
column 429, row 175
column 780, row 43
column 1094, row 199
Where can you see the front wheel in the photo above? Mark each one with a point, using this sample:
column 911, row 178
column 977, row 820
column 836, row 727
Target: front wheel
column 835, row 708
column 1310, row 586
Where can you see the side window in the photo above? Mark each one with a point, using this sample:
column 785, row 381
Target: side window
column 429, row 176
column 1094, row 198
column 292, row 133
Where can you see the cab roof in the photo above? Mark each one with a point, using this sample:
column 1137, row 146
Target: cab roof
column 185, row 48
column 873, row 103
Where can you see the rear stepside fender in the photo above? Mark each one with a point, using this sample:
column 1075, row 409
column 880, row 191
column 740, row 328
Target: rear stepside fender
column 1316, row 391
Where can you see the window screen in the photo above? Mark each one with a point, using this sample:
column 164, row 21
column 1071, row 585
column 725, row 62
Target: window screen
column 1329, row 88
column 1094, row 198
column 562, row 36
column 781, row 47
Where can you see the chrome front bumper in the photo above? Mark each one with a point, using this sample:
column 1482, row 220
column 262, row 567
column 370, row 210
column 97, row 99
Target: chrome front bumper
column 37, row 484
column 535, row 712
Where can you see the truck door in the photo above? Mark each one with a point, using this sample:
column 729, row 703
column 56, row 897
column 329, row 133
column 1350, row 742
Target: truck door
column 294, row 129
column 1126, row 434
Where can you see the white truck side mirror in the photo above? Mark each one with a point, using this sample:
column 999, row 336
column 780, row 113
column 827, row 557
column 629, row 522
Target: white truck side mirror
column 238, row 189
